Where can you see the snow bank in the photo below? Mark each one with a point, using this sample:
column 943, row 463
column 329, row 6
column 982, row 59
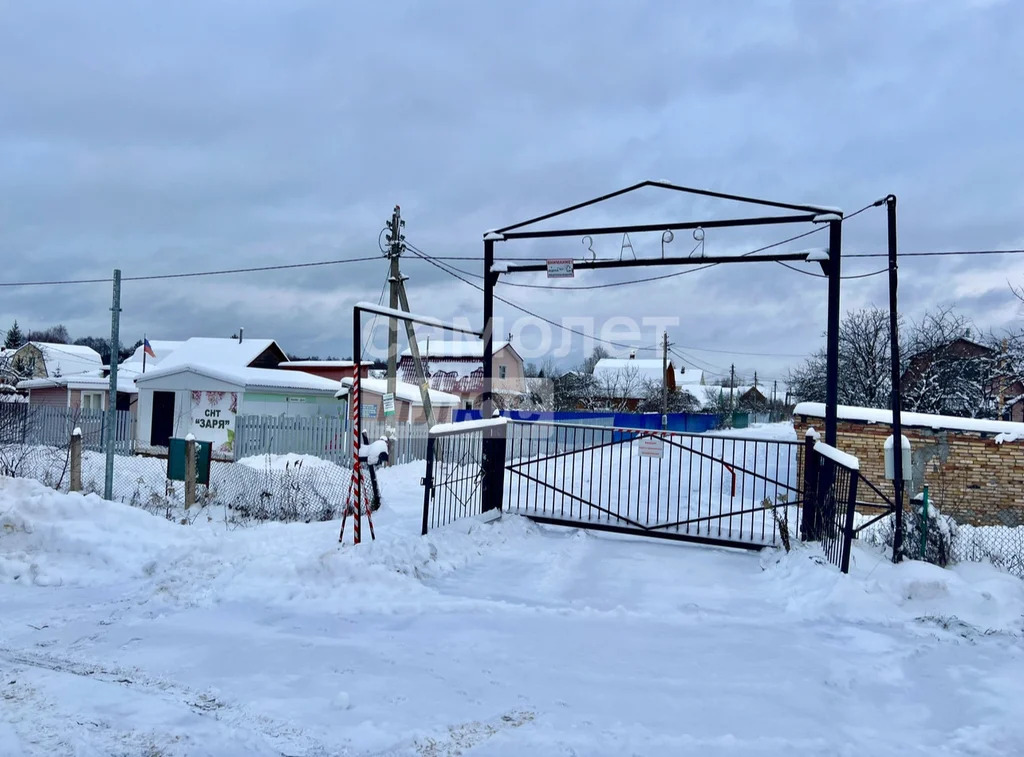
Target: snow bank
column 282, row 462
column 49, row 538
column 968, row 599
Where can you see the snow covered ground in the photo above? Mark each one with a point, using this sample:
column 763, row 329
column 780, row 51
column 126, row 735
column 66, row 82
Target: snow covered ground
column 123, row 633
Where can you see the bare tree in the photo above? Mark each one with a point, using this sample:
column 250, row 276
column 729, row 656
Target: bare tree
column 864, row 363
column 679, row 400
column 615, row 389
column 951, row 370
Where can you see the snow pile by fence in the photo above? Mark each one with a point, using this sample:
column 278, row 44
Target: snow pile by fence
column 947, row 542
column 260, row 488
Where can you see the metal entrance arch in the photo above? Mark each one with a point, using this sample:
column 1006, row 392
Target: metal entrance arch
column 798, row 214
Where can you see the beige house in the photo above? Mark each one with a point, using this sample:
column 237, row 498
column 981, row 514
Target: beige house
column 456, row 367
column 45, row 360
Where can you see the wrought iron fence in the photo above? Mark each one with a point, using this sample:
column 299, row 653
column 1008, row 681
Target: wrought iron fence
column 830, row 500
column 465, row 470
column 696, row 487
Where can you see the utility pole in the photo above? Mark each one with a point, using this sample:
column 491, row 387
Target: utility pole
column 115, row 341
column 395, row 249
column 755, row 379
column 664, row 381
column 400, row 300
column 732, row 386
column 894, row 365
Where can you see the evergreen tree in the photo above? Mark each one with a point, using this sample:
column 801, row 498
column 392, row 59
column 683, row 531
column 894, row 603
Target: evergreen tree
column 14, row 337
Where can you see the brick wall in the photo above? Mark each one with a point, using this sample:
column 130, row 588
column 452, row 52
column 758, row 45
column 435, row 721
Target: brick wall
column 969, row 475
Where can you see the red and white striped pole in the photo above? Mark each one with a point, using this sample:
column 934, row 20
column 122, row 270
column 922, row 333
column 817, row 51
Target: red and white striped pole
column 357, row 477
column 355, row 496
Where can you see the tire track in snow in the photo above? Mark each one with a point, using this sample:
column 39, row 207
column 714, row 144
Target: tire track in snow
column 282, row 737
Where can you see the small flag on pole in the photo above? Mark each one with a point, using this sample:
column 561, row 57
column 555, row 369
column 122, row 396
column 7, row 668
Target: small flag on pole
column 147, row 349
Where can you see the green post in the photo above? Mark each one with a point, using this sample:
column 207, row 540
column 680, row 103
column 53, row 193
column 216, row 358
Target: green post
column 924, row 523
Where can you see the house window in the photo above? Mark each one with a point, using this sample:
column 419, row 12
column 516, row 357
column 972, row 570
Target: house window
column 502, row 370
column 92, row 400
column 469, row 405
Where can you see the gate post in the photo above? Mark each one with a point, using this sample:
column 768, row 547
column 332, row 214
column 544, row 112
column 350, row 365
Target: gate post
column 76, row 460
column 190, row 471
column 493, row 468
column 428, row 483
column 851, row 507
column 809, row 530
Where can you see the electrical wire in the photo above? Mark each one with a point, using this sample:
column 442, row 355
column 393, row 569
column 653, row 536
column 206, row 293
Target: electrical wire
column 822, row 276
column 530, row 313
column 193, row 274
column 369, row 335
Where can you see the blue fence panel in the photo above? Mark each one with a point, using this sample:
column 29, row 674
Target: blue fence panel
column 696, row 423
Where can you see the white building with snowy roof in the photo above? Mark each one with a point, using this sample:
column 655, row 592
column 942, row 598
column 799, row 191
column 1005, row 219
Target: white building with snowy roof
column 203, row 384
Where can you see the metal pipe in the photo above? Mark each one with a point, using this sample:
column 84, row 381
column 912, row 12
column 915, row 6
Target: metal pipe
column 835, row 252
column 896, row 396
column 670, row 226
column 581, row 265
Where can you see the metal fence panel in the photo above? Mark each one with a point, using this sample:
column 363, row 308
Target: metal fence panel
column 327, row 437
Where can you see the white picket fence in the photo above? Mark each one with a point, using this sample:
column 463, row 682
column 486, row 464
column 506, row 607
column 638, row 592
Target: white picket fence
column 327, row 437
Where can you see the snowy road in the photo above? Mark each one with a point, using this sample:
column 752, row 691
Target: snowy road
column 124, row 634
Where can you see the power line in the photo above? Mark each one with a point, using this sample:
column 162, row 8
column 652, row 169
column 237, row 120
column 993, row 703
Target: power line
column 822, row 276
column 932, row 253
column 530, row 313
column 193, row 274
column 228, row 271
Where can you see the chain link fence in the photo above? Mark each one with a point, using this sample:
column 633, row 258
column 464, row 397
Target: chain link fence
column 942, row 540
column 36, row 443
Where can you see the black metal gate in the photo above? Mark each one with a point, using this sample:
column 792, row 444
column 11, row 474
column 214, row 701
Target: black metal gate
column 708, row 488
column 712, row 489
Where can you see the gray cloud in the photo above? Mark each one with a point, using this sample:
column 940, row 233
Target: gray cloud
column 197, row 136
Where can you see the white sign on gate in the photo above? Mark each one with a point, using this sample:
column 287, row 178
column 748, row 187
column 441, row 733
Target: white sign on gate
column 560, row 268
column 651, row 446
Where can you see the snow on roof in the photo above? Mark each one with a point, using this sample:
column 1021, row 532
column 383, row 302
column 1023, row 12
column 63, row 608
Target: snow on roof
column 452, row 348
column 68, row 359
column 405, row 391
column 161, row 348
column 322, row 363
column 216, row 353
column 250, row 378
column 93, row 380
column 690, row 376
column 644, row 369
column 921, row 420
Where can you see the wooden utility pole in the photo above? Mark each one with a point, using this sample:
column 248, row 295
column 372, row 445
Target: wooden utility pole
column 732, row 386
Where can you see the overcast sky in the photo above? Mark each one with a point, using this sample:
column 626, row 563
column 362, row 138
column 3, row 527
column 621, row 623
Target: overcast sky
column 188, row 136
